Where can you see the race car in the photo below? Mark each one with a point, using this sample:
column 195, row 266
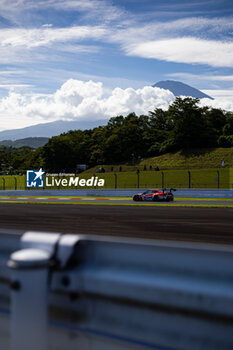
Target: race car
column 155, row 195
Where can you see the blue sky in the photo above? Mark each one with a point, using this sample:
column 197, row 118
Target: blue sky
column 122, row 44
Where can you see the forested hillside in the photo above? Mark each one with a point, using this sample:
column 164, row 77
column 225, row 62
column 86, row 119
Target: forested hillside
column 33, row 142
column 184, row 126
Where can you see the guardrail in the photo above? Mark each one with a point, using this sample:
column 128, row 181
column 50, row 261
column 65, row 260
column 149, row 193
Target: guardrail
column 101, row 293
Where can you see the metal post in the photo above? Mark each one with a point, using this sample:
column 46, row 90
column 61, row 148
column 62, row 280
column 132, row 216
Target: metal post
column 29, row 319
column 15, row 183
column 189, row 174
column 138, row 177
column 162, row 173
column 218, row 179
column 115, row 180
column 4, row 184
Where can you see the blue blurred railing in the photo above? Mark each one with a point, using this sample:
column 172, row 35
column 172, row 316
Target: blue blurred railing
column 118, row 293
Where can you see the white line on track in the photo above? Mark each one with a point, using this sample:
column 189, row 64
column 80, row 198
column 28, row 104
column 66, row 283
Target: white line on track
column 38, row 198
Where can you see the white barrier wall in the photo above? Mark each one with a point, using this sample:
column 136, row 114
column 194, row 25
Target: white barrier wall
column 121, row 294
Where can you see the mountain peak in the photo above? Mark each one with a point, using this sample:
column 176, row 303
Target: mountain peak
column 49, row 129
column 180, row 89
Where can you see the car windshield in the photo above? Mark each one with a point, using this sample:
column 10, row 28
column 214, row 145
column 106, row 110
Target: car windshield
column 146, row 192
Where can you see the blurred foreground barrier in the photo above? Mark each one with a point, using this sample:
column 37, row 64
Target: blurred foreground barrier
column 105, row 294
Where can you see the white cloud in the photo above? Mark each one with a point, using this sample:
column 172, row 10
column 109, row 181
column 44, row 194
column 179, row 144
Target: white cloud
column 200, row 28
column 47, row 25
column 11, row 72
column 194, row 77
column 79, row 100
column 225, row 103
column 26, row 47
column 76, row 49
column 218, row 94
column 13, row 86
column 186, row 50
column 19, row 11
column 31, row 38
column 222, row 99
column 156, row 40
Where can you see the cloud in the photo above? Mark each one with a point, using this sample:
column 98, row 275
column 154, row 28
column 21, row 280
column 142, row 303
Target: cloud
column 193, row 77
column 27, row 47
column 222, row 99
column 186, row 50
column 32, row 38
column 11, row 72
column 225, row 103
column 13, row 86
column 79, row 100
column 196, row 27
column 17, row 11
column 220, row 94
column 156, row 40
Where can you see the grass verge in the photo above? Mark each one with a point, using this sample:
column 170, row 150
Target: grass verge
column 126, row 204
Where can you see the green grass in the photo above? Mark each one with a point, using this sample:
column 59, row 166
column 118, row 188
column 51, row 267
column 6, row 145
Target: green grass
column 204, row 167
column 199, row 178
column 12, row 182
column 192, row 159
column 196, row 178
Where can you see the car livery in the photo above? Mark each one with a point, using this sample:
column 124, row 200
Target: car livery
column 155, row 195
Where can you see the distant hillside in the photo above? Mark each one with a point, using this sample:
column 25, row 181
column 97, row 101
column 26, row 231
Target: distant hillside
column 203, row 158
column 33, row 142
column 181, row 89
column 49, row 129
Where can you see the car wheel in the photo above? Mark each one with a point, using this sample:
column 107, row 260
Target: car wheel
column 155, row 199
column 136, row 197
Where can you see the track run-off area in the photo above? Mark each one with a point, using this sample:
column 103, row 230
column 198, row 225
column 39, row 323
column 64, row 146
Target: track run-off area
column 208, row 220
column 126, row 201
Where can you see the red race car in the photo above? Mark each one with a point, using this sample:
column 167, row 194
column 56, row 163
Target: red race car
column 155, row 195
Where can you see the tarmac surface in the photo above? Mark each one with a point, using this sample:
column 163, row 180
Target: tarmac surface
column 212, row 225
column 118, row 201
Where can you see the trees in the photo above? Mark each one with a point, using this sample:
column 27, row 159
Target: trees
column 226, row 139
column 190, row 128
column 184, row 125
column 124, row 138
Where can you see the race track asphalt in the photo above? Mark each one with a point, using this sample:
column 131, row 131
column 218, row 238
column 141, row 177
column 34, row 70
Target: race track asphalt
column 120, row 201
column 213, row 225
